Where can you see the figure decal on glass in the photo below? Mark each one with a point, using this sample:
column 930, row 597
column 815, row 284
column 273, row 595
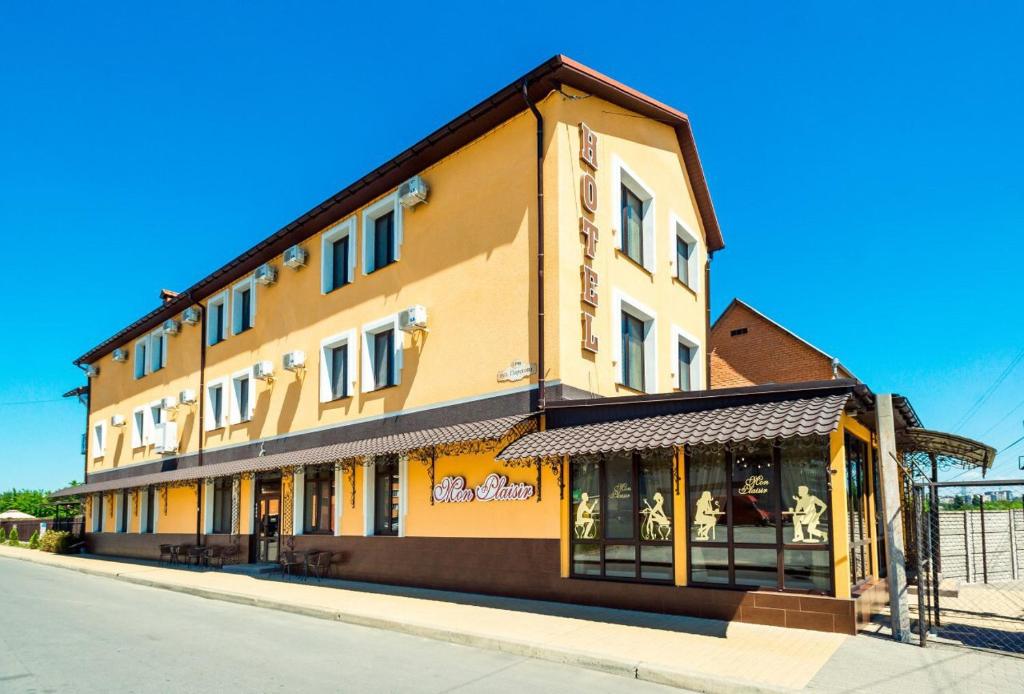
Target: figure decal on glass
column 655, row 524
column 706, row 517
column 585, row 528
column 806, row 516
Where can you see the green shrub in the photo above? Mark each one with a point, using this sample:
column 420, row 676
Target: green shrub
column 3, row 536
column 56, row 541
column 12, row 539
column 33, row 540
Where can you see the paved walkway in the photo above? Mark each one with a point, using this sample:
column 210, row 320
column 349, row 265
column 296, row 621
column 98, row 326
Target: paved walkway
column 703, row 655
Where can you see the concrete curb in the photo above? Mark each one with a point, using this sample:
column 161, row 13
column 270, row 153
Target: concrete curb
column 675, row 677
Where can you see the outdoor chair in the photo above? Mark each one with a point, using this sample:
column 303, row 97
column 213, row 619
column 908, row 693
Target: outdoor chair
column 290, row 562
column 227, row 556
column 165, row 551
column 179, row 554
column 321, row 565
column 214, row 557
column 194, row 555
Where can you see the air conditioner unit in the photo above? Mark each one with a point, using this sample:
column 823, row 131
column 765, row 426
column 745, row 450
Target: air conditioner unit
column 266, row 274
column 413, row 318
column 190, row 315
column 263, row 370
column 293, row 361
column 120, row 354
column 171, row 327
column 117, row 420
column 168, row 403
column 92, row 371
column 295, row 257
column 187, row 397
column 413, row 192
column 165, row 437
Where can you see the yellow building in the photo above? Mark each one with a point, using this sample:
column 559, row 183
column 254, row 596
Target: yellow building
column 483, row 366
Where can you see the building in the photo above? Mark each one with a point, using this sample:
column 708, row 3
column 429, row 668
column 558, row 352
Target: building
column 484, row 367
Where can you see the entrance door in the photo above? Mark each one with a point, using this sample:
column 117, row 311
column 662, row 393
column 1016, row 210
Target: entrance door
column 268, row 518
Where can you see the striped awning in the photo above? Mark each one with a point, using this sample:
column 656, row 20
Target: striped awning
column 485, row 430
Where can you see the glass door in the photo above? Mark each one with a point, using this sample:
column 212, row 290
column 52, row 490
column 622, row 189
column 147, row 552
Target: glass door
column 268, row 518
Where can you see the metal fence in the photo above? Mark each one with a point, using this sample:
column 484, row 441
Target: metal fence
column 967, row 573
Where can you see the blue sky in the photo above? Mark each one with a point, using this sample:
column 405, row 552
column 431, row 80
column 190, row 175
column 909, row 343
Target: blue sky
column 864, row 161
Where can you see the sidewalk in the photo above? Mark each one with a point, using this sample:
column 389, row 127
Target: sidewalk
column 690, row 653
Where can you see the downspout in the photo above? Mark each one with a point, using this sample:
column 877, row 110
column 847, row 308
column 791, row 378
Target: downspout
column 541, row 387
column 201, row 418
column 707, row 321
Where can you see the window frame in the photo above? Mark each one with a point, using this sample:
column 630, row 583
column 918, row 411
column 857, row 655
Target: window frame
column 124, row 512
column 319, row 475
column 143, row 361
column 237, row 304
column 697, row 373
column 393, row 504
column 622, row 175
column 99, row 439
column 236, row 415
column 343, row 230
column 222, row 492
column 623, row 303
column 222, row 299
column 369, row 332
column 157, row 337
column 678, row 229
column 139, row 427
column 214, row 423
column 327, row 346
column 147, row 518
column 389, row 203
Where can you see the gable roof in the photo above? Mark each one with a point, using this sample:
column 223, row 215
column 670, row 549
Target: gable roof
column 485, row 116
column 737, row 303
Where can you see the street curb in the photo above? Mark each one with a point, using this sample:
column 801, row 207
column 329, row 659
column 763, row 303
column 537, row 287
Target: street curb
column 675, row 677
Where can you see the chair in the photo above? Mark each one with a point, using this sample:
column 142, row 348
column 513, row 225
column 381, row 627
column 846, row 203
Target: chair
column 214, row 555
column 165, row 551
column 195, row 555
column 179, row 554
column 321, row 565
column 290, row 561
column 227, row 556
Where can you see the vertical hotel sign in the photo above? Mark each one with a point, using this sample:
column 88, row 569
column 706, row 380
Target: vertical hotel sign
column 588, row 234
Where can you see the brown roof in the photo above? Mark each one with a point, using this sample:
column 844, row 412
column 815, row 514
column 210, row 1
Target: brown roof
column 764, row 420
column 486, row 430
column 472, row 124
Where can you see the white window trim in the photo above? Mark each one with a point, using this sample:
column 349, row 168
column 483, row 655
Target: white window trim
column 118, row 507
column 99, row 439
column 696, row 372
column 680, row 229
column 236, row 415
column 370, row 329
column 388, row 203
column 346, row 230
column 236, row 323
column 96, row 520
column 369, row 480
column 208, row 487
column 138, row 428
column 150, row 437
column 347, row 338
column 222, row 298
column 209, row 423
column 141, row 342
column 299, row 501
column 623, row 302
column 369, row 500
column 403, row 491
column 143, row 493
column 338, row 495
column 622, row 174
column 156, row 511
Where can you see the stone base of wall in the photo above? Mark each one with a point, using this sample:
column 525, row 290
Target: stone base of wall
column 147, row 546
column 522, row 568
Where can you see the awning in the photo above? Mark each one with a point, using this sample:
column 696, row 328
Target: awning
column 949, row 450
column 767, row 420
column 485, row 430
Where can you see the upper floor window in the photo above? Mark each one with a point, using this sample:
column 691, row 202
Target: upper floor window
column 634, row 203
column 635, row 346
column 138, row 427
column 337, row 366
column 684, row 263
column 216, row 319
column 242, row 396
column 688, row 372
column 339, row 257
column 243, row 306
column 215, row 405
column 382, row 233
column 381, row 354
column 685, row 365
column 141, row 358
column 99, row 439
column 632, row 351
column 150, row 353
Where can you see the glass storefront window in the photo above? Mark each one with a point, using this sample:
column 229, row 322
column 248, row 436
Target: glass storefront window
column 807, row 570
column 709, row 564
column 586, row 499
column 756, row 567
column 619, row 481
column 754, row 494
column 707, row 491
column 804, row 492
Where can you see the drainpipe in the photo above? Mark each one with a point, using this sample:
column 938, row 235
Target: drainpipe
column 707, row 321
column 541, row 395
column 201, row 418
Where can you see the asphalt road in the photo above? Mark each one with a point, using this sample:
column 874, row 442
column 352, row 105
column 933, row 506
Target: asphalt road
column 62, row 631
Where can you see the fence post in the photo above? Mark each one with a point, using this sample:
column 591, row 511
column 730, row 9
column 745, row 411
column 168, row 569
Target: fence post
column 968, row 545
column 984, row 553
column 888, row 467
column 1014, row 568
column 922, row 581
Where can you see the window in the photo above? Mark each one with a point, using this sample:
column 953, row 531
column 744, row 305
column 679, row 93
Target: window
column 758, row 515
column 684, row 243
column 243, row 306
column 622, row 516
column 150, row 511
column 338, row 256
column 318, row 508
column 141, row 360
column 685, row 364
column 382, row 233
column 635, row 346
column 386, row 490
column 98, row 524
column 242, row 392
column 222, row 500
column 857, row 522
column 337, row 366
column 123, row 513
column 216, row 319
column 138, row 427
column 99, row 440
column 633, row 202
column 156, row 416
column 157, row 351
column 215, row 409
column 382, row 354
column 688, row 372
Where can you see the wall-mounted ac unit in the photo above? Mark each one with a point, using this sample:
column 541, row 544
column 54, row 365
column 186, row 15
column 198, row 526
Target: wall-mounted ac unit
column 165, row 437
column 266, row 274
column 295, row 257
column 171, row 327
column 263, row 370
column 413, row 318
column 168, row 403
column 120, row 354
column 413, row 192
column 187, row 397
column 117, row 420
column 92, row 371
column 294, row 360
column 190, row 315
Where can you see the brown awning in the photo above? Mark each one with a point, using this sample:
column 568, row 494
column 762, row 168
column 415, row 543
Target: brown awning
column 949, row 450
column 485, row 430
column 768, row 420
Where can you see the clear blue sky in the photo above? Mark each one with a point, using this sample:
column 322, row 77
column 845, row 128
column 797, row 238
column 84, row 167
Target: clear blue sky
column 865, row 163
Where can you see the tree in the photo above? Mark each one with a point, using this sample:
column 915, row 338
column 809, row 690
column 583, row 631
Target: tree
column 12, row 539
column 35, row 502
column 33, row 541
column 3, row 536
